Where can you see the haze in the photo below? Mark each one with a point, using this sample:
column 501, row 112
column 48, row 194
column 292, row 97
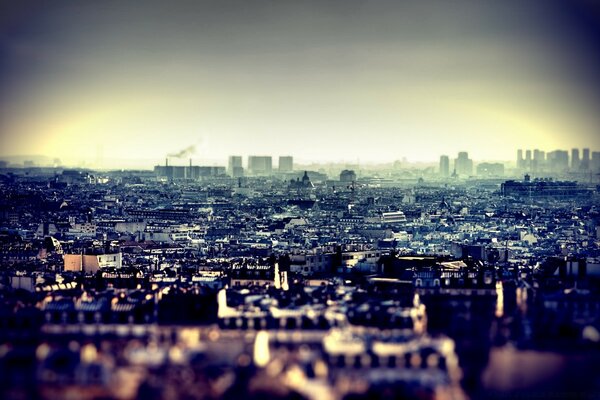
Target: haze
column 338, row 80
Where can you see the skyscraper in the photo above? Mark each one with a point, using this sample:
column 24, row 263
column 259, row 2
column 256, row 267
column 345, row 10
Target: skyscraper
column 286, row 163
column 260, row 165
column 585, row 160
column 234, row 167
column 539, row 159
column 444, row 166
column 520, row 159
column 234, row 161
column 575, row 159
column 528, row 160
column 463, row 164
column 595, row 161
column 558, row 160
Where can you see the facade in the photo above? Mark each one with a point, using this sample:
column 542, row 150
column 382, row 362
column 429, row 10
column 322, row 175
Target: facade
column 393, row 217
column 91, row 263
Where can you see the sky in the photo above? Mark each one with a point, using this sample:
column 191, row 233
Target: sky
column 117, row 83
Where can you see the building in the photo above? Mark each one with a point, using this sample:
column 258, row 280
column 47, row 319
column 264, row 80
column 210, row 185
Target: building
column 575, row 161
column 191, row 172
column 585, row 160
column 444, row 166
column 286, row 163
column 393, row 217
column 347, row 176
column 301, row 184
column 543, row 188
column 91, row 262
column 260, row 165
column 490, row 169
column 520, row 160
column 557, row 161
column 464, row 165
column 595, row 163
column 539, row 160
column 234, row 165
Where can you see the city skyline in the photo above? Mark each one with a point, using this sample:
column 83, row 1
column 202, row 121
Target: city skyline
column 188, row 156
column 374, row 82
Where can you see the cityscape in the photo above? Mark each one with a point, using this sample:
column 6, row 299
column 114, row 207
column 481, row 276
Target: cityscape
column 320, row 200
column 247, row 280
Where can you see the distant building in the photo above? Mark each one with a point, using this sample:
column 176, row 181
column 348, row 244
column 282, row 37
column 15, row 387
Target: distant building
column 585, row 160
column 235, row 162
column 490, row 169
column 595, row 163
column 286, row 164
column 303, row 183
column 575, row 161
column 237, row 172
column 393, row 217
column 347, row 176
column 260, row 165
column 192, row 172
column 90, row 263
column 557, row 160
column 520, row 160
column 539, row 160
column 463, row 165
column 444, row 166
column 543, row 188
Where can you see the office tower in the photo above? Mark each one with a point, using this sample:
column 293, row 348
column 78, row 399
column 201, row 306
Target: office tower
column 234, row 163
column 520, row 159
column 444, row 166
column 595, row 161
column 286, row 163
column 463, row 164
column 528, row 160
column 575, row 159
column 558, row 160
column 539, row 159
column 260, row 165
column 585, row 160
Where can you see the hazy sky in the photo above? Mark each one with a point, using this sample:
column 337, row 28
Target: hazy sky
column 320, row 80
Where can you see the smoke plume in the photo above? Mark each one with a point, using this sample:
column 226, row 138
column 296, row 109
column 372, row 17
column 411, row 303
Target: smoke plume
column 188, row 151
